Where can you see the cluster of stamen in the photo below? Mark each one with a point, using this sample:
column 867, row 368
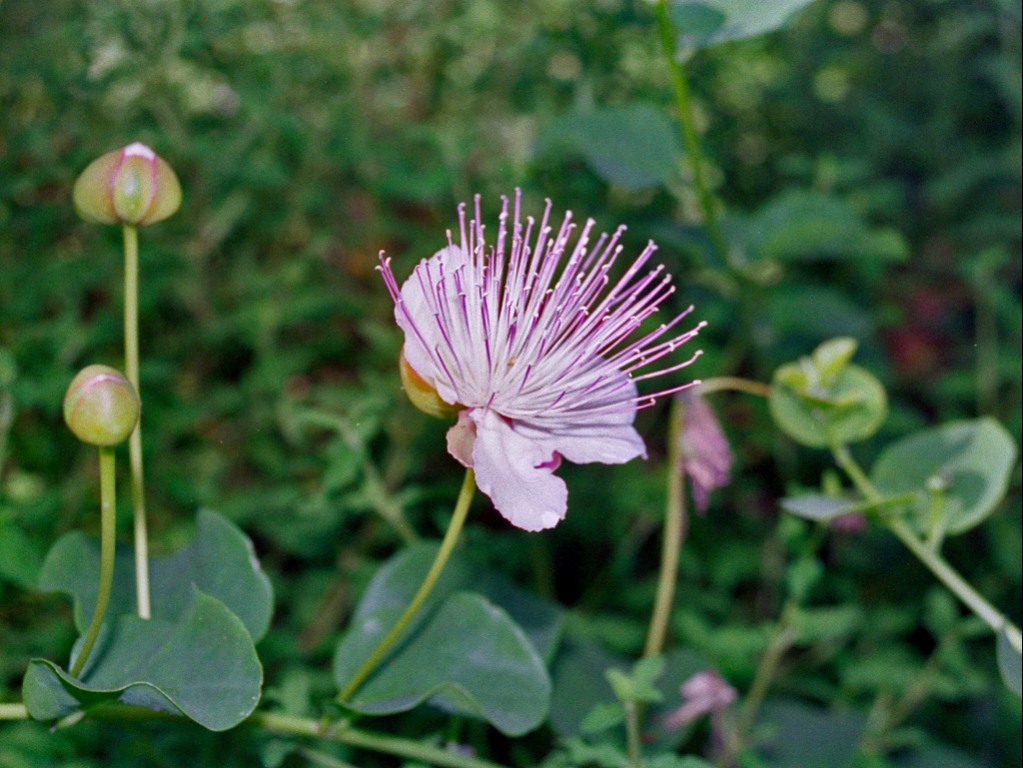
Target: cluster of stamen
column 536, row 329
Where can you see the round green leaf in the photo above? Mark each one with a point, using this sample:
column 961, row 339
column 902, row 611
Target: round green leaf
column 220, row 561
column 467, row 656
column 395, row 583
column 852, row 407
column 202, row 666
column 967, row 462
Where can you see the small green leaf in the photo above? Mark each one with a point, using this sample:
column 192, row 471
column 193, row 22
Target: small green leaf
column 703, row 23
column 820, row 408
column 1010, row 663
column 220, row 561
column 961, row 468
column 467, row 656
column 201, row 666
column 602, row 717
column 633, row 146
column 817, row 506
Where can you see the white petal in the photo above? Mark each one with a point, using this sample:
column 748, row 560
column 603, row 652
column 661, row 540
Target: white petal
column 586, row 443
column 507, row 470
column 415, row 316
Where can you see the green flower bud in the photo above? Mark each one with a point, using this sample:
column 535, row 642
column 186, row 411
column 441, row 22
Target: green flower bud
column 101, row 406
column 422, row 393
column 132, row 185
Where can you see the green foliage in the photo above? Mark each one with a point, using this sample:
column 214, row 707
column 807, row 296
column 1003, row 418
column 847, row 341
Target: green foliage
column 865, row 155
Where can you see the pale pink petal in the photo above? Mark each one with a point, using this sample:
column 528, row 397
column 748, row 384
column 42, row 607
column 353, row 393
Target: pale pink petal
column 462, row 438
column 416, row 316
column 586, row 443
column 510, row 470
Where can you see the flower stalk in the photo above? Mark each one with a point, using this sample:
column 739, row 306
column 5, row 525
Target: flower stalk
column 447, row 546
column 108, row 518
column 131, row 365
column 932, row 559
column 674, row 533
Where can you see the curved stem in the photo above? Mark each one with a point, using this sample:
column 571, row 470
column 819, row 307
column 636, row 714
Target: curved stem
column 948, row 576
column 287, row 725
column 937, row 565
column 633, row 734
column 131, row 365
column 674, row 532
column 691, row 139
column 108, row 517
column 734, row 384
column 429, row 581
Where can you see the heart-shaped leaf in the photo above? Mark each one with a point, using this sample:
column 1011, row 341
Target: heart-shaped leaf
column 194, row 657
column 967, row 464
column 395, row 583
column 467, row 655
column 202, row 666
column 221, row 562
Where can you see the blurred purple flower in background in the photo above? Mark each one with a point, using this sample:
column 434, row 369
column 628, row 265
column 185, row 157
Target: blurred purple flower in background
column 706, row 456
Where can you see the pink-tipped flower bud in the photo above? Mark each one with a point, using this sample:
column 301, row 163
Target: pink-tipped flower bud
column 132, row 185
column 101, row 406
column 422, row 394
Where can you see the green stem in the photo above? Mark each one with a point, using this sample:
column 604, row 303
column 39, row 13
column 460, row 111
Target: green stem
column 634, row 737
column 13, row 712
column 131, row 365
column 937, row 565
column 443, row 554
column 734, row 384
column 764, row 675
column 108, row 518
column 690, row 138
column 287, row 725
column 674, row 532
column 948, row 576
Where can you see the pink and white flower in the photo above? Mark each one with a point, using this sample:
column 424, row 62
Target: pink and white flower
column 537, row 349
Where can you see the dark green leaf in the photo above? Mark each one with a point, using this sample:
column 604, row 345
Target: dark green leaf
column 467, row 656
column 395, row 583
column 201, row 666
column 633, row 146
column 220, row 561
column 966, row 464
column 787, row 726
column 806, row 225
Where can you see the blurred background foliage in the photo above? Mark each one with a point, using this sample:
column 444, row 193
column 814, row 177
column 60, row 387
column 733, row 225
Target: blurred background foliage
column 868, row 159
